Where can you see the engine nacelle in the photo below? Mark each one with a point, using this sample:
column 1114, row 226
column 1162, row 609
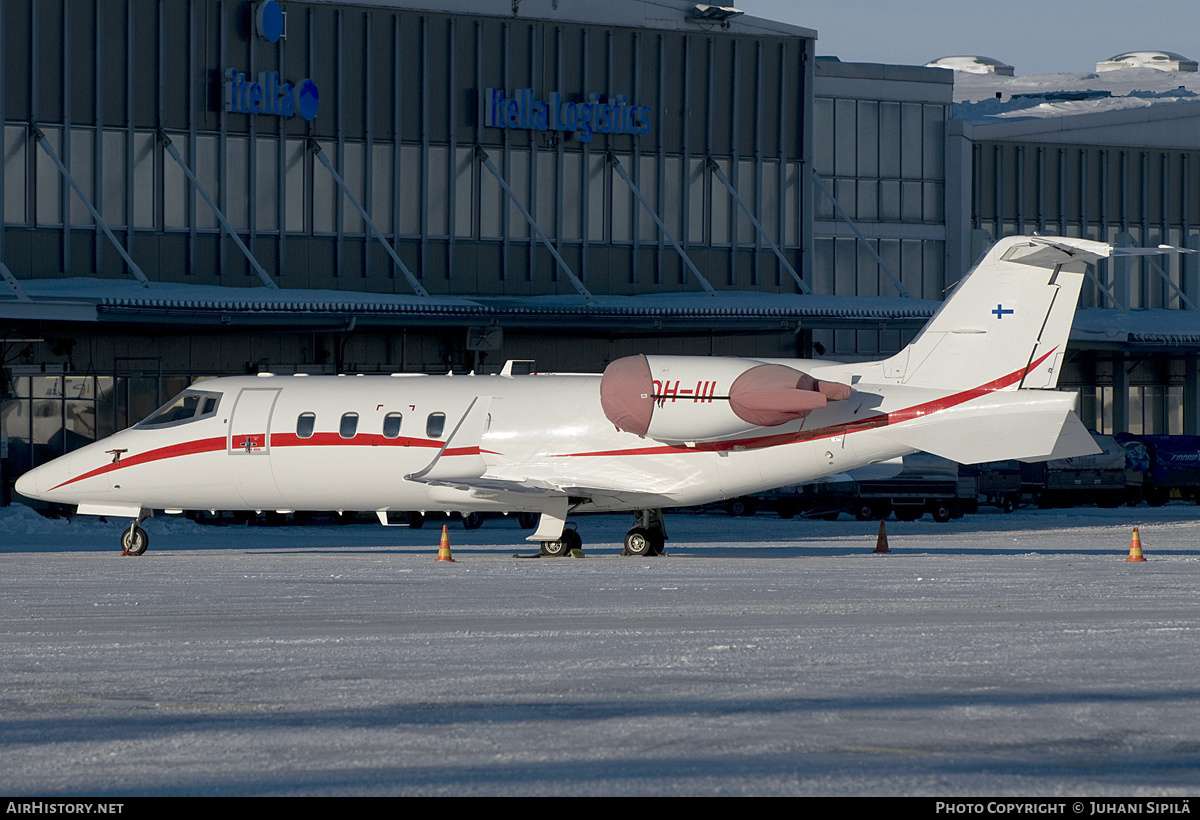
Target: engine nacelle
column 694, row 398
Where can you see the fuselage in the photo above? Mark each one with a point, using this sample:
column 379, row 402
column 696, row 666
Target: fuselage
column 355, row 443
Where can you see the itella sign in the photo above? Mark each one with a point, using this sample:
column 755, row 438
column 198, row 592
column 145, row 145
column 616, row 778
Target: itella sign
column 270, row 96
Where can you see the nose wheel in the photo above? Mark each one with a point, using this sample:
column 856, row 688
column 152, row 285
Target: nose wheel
column 134, row 541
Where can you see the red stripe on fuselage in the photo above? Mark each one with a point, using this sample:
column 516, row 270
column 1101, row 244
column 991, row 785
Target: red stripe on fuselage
column 211, row 445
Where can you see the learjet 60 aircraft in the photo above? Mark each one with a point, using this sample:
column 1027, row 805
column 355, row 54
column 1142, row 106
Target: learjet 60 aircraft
column 976, row 384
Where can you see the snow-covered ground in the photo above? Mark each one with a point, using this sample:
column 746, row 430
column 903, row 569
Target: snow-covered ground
column 996, row 655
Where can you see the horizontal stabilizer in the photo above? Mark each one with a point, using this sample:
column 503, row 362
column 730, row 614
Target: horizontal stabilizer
column 1023, row 425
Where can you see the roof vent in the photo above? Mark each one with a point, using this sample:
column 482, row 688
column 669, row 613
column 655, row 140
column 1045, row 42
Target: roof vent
column 973, row 63
column 1162, row 60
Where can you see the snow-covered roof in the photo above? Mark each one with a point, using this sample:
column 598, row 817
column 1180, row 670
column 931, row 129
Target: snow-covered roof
column 108, row 300
column 1135, row 328
column 1130, row 106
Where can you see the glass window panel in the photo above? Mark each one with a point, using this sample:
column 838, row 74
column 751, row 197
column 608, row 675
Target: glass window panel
column 266, row 185
column 113, row 181
column 409, row 199
column 547, row 192
column 175, row 186
column 145, row 186
column 572, row 210
column 768, row 208
column 845, row 138
column 348, row 426
column 206, row 169
column 464, row 193
column 911, row 132
column 49, row 181
column 518, row 183
column 324, row 193
column 868, row 200
column 354, row 174
column 889, row 129
column 14, row 175
column 595, row 193
column 934, row 141
column 868, row 138
column 492, row 200
column 294, row 170
column 745, row 189
column 622, row 204
column 380, row 206
column 719, row 206
column 823, row 136
column 237, row 186
column 83, row 168
column 647, row 182
column 794, row 210
column 696, row 175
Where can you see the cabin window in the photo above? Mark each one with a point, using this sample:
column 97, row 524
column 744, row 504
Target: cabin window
column 391, row 425
column 435, row 425
column 305, row 424
column 190, row 405
column 349, row 425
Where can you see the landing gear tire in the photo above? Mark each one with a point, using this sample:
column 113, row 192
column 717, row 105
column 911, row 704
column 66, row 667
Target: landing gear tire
column 555, row 549
column 134, row 541
column 941, row 513
column 416, row 520
column 528, row 520
column 638, row 541
column 472, row 521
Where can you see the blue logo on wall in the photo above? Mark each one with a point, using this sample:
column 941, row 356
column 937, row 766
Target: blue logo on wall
column 268, row 20
column 269, row 95
column 307, row 99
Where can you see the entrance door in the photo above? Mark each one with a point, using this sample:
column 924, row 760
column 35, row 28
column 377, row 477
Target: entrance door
column 249, row 448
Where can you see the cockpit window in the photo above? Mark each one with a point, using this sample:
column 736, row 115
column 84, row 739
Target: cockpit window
column 190, row 405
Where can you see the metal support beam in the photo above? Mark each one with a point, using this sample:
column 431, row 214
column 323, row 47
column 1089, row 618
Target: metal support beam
column 678, row 248
column 846, row 218
column 1130, row 242
column 13, row 283
column 262, row 274
column 757, row 225
column 62, row 169
column 412, row 280
column 562, row 265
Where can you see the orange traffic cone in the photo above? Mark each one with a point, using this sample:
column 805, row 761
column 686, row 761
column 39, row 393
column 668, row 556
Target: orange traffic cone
column 1135, row 548
column 444, row 547
column 881, row 546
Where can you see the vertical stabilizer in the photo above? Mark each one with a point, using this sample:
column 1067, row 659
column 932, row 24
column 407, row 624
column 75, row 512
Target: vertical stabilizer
column 1009, row 316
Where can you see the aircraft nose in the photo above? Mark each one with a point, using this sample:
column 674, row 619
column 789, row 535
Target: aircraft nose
column 27, row 485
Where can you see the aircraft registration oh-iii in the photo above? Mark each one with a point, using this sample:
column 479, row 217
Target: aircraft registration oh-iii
column 976, row 384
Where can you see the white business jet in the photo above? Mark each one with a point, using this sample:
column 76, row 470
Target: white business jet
column 977, row 384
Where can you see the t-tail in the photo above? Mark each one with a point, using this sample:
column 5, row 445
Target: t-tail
column 997, row 345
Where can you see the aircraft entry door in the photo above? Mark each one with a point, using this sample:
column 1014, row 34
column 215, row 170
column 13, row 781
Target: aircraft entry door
column 248, row 446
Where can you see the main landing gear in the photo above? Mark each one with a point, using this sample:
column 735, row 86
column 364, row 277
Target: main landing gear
column 569, row 540
column 649, row 536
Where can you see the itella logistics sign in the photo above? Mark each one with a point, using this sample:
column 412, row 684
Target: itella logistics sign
column 583, row 119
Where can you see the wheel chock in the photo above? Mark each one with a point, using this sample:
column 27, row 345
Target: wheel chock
column 881, row 544
column 1135, row 548
column 444, row 547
